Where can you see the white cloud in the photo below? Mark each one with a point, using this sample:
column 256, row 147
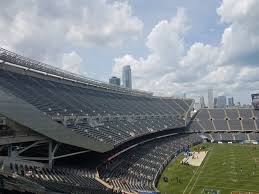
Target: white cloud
column 166, row 45
column 230, row 66
column 240, row 41
column 44, row 29
column 103, row 23
column 72, row 62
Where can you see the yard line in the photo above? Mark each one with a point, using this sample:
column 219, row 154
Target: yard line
column 234, row 189
column 193, row 176
column 201, row 170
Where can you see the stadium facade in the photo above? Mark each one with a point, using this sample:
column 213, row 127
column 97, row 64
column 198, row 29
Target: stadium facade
column 65, row 133
column 51, row 117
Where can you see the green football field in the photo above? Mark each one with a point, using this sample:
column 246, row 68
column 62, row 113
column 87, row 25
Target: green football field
column 227, row 168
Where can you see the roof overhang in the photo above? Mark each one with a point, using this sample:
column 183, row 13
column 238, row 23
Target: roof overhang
column 29, row 116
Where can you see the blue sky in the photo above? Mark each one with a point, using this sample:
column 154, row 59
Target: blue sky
column 173, row 47
column 202, row 29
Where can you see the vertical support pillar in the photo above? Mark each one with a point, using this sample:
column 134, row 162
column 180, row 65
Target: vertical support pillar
column 10, row 149
column 50, row 154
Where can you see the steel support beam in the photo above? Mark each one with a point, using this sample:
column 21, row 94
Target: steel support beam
column 71, row 154
column 32, row 145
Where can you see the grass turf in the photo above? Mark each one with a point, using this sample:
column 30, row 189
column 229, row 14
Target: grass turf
column 227, row 168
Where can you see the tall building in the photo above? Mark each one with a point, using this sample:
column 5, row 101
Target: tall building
column 215, row 102
column 231, row 102
column 126, row 77
column 221, row 102
column 255, row 101
column 115, row 81
column 210, row 98
column 202, row 102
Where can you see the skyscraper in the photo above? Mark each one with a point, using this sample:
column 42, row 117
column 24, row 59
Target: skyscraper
column 215, row 102
column 202, row 102
column 115, row 81
column 210, row 98
column 231, row 102
column 221, row 102
column 126, row 77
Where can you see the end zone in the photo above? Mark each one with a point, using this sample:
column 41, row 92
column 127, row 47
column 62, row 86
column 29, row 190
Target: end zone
column 195, row 159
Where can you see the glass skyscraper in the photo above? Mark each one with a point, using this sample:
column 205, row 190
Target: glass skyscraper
column 126, row 77
column 115, row 81
column 222, row 102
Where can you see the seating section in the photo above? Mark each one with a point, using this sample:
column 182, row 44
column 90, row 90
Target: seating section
column 232, row 114
column 248, row 124
column 203, row 114
column 252, row 136
column 138, row 168
column 220, row 125
column 235, row 125
column 117, row 132
column 227, row 137
column 245, row 113
column 216, row 136
column 111, row 117
column 207, row 124
column 240, row 136
column 226, row 120
column 62, row 180
column 217, row 114
column 196, row 126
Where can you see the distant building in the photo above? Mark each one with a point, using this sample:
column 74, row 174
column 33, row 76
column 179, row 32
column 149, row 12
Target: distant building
column 221, row 102
column 126, row 77
column 238, row 104
column 115, row 81
column 210, row 98
column 202, row 102
column 231, row 102
column 255, row 101
column 215, row 102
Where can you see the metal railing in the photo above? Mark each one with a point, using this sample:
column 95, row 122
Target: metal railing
column 30, row 64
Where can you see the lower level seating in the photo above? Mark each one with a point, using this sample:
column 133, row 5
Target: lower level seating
column 61, row 179
column 254, row 136
column 138, row 168
column 240, row 136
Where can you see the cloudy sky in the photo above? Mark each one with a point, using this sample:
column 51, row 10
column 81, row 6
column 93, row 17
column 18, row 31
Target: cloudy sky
column 173, row 46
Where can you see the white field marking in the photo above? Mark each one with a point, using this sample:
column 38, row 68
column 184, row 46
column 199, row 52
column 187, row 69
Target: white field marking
column 223, row 178
column 234, row 189
column 197, row 161
column 192, row 177
column 200, row 171
column 191, row 180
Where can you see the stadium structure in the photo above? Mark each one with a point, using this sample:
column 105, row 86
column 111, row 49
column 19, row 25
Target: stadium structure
column 65, row 133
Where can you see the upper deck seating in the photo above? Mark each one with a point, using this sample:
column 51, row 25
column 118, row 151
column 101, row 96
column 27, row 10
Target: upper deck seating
column 57, row 98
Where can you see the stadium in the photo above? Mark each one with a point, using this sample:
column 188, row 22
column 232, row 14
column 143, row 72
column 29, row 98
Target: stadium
column 65, row 133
